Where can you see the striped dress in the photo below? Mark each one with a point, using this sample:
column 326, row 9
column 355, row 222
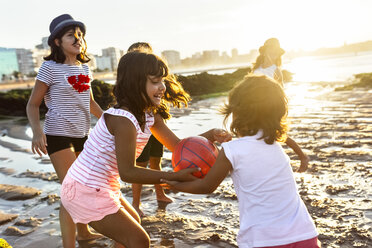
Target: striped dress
column 68, row 109
column 96, row 166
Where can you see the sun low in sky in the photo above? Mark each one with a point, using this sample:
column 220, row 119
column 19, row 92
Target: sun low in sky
column 193, row 26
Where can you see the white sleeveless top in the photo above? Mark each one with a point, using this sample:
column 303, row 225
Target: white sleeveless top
column 96, row 166
column 68, row 109
column 268, row 71
column 271, row 211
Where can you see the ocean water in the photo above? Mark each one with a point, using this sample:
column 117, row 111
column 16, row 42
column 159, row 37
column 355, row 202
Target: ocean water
column 333, row 68
column 333, row 128
column 329, row 68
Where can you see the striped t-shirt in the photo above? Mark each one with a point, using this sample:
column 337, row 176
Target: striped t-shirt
column 68, row 109
column 96, row 166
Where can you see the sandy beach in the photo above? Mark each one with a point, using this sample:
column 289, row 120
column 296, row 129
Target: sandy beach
column 28, row 84
column 333, row 128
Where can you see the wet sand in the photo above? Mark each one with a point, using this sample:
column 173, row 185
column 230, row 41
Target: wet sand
column 333, row 128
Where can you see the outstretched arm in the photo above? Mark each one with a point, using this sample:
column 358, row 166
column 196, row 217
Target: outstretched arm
column 218, row 135
column 95, row 109
column 125, row 145
column 212, row 180
column 33, row 114
column 302, row 156
column 162, row 133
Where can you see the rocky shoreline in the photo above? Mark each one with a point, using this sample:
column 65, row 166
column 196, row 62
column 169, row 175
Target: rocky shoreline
column 334, row 128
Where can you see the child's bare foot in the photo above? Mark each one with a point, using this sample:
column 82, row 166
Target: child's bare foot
column 139, row 211
column 88, row 237
column 164, row 198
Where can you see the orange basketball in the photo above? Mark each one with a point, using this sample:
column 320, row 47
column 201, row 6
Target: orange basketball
column 195, row 151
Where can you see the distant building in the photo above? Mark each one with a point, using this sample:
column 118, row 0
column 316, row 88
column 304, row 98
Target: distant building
column 44, row 44
column 103, row 63
column 225, row 58
column 114, row 54
column 25, row 61
column 234, row 53
column 196, row 55
column 253, row 54
column 38, row 57
column 210, row 56
column 93, row 62
column 8, row 62
column 172, row 57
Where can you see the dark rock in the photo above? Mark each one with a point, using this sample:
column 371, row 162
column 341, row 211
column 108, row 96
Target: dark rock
column 14, row 193
column 14, row 231
column 5, row 218
column 31, row 222
column 7, row 171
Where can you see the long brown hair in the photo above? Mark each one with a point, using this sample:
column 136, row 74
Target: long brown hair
column 130, row 87
column 257, row 103
column 56, row 53
column 174, row 95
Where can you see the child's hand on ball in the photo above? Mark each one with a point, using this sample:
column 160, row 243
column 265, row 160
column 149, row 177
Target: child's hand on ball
column 221, row 135
column 185, row 175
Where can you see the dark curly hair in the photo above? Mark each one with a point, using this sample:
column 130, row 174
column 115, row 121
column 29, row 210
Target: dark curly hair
column 257, row 103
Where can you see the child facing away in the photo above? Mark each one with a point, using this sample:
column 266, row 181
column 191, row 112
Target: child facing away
column 91, row 189
column 63, row 81
column 271, row 211
column 269, row 63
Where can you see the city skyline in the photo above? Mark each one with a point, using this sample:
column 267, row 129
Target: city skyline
column 20, row 62
column 190, row 27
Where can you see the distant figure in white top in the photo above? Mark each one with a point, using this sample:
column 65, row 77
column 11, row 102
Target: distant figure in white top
column 271, row 211
column 91, row 190
column 269, row 63
column 64, row 81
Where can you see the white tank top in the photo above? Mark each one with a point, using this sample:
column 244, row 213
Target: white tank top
column 96, row 166
column 268, row 71
column 271, row 211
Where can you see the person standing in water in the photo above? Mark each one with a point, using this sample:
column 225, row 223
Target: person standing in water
column 63, row 81
column 269, row 63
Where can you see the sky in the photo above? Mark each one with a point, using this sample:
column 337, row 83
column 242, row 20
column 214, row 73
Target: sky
column 191, row 26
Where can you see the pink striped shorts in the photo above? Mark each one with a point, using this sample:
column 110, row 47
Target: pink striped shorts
column 86, row 204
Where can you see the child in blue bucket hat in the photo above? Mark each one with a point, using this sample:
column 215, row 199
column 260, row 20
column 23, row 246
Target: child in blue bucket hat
column 64, row 82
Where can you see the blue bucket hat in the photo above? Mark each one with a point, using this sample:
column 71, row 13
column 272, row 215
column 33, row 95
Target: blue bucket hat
column 61, row 22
